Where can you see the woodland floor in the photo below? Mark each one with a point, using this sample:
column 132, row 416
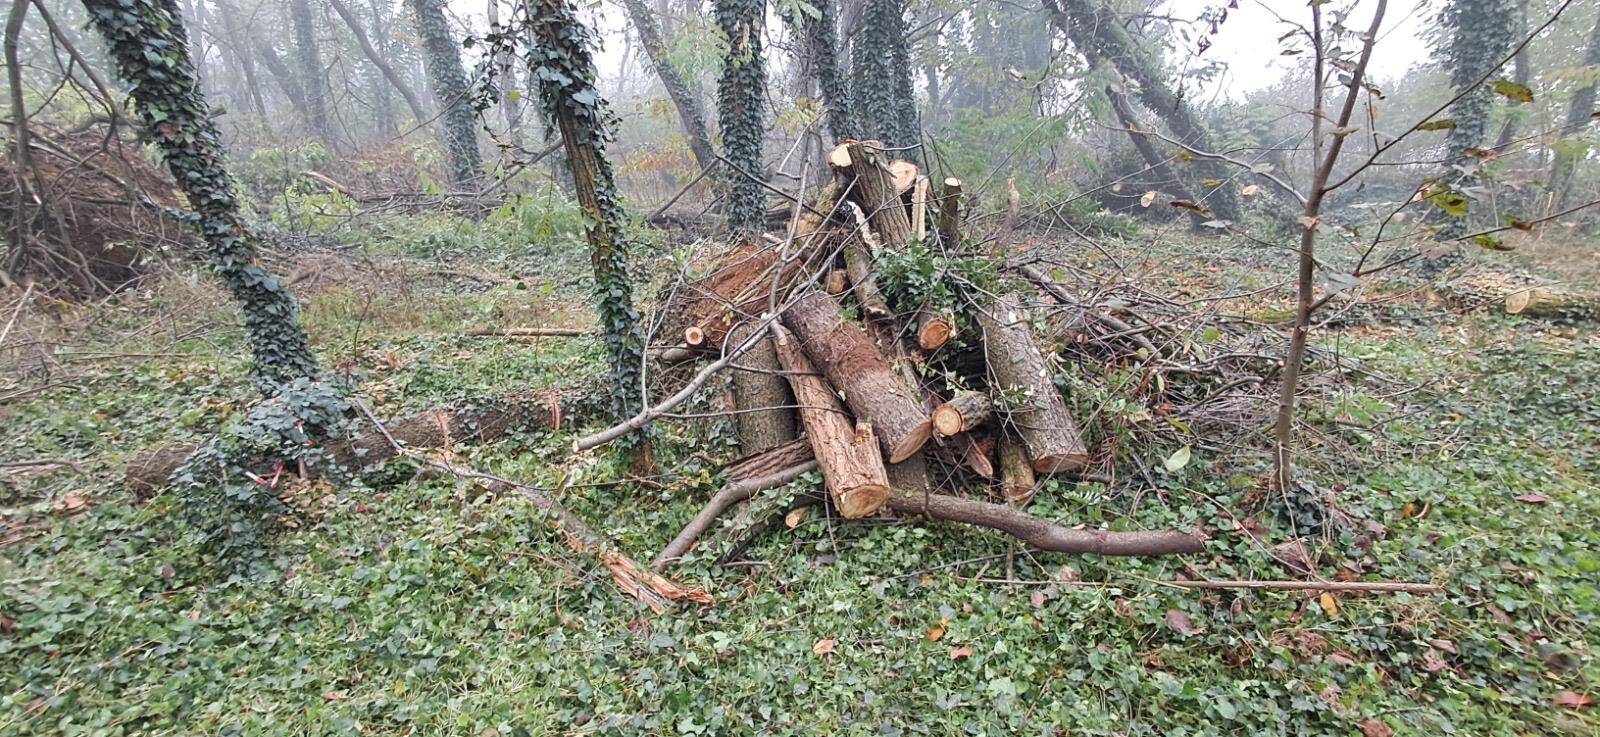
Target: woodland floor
column 414, row 607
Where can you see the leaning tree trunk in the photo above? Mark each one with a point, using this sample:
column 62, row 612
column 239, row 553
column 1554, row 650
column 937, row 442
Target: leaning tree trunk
column 740, row 93
column 1147, row 151
column 567, row 89
column 690, row 114
column 1100, row 37
column 309, row 60
column 378, row 60
column 451, row 93
column 506, row 81
column 1042, row 418
column 145, row 38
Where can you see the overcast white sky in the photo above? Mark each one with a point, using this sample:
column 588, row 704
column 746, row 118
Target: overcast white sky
column 1247, row 43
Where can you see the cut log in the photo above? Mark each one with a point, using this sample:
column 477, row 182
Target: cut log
column 736, row 289
column 872, row 388
column 766, row 463
column 870, row 184
column 694, row 336
column 934, row 329
column 1552, row 301
column 963, row 412
column 1053, row 441
column 858, row 265
column 836, row 282
column 148, row 471
column 846, row 451
column 950, row 214
column 765, row 415
column 1017, row 482
column 905, row 175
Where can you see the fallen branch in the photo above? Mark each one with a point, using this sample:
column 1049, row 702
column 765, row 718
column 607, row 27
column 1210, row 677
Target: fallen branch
column 1041, row 533
column 531, row 332
column 729, row 495
column 1329, row 586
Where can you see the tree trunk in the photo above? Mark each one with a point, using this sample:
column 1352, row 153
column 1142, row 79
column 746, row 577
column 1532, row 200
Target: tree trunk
column 863, row 169
column 244, row 54
column 872, row 388
column 1017, row 481
column 287, row 83
column 568, row 95
column 1521, row 73
column 309, row 60
column 1053, row 441
column 1152, row 158
column 847, row 451
column 819, row 40
column 378, row 59
column 178, row 120
column 880, row 78
column 442, row 57
column 690, row 115
column 506, row 82
column 741, row 91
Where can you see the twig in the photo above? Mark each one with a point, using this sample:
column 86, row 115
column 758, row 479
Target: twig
column 1329, row 586
column 728, row 496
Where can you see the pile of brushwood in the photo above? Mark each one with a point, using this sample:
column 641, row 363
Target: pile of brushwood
column 925, row 370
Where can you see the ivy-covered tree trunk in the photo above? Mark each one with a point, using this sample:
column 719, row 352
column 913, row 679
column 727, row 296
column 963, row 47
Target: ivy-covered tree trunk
column 506, row 82
column 1579, row 112
column 682, row 94
column 309, row 59
column 1098, row 35
column 1480, row 37
column 819, row 43
column 881, row 101
column 442, row 57
column 740, row 90
column 146, row 40
column 565, row 69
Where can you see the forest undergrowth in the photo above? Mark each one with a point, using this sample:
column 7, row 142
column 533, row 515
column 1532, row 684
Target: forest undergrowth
column 1457, row 449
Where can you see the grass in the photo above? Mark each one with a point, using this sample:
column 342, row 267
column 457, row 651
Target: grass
column 410, row 606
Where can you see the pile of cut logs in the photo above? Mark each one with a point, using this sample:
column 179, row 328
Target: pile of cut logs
column 826, row 369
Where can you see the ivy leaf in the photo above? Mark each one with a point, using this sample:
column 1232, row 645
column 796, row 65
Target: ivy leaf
column 1437, row 125
column 1179, row 458
column 1513, row 90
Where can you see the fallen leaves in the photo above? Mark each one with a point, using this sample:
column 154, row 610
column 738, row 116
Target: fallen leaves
column 1148, row 198
column 1181, row 624
column 1330, row 605
column 936, row 632
column 824, row 647
column 1375, row 728
column 1532, row 498
column 960, row 653
column 1250, row 191
column 1573, row 700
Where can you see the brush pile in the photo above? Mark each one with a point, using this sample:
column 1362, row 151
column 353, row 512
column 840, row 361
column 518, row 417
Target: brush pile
column 908, row 360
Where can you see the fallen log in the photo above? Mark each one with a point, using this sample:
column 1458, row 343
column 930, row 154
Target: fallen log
column 858, row 266
column 934, row 329
column 148, row 471
column 765, row 418
column 1046, row 426
column 963, row 412
column 531, row 332
column 870, row 182
column 872, row 388
column 768, row 462
column 846, row 451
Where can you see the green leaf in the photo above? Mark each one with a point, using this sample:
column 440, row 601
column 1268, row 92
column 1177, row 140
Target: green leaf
column 1513, row 90
column 1453, row 203
column 1437, row 125
column 1491, row 243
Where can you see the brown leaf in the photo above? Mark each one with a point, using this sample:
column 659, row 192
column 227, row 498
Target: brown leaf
column 1180, row 623
column 824, row 647
column 936, row 632
column 1573, row 700
column 1443, row 645
column 1250, row 190
column 70, row 503
column 1375, row 728
column 334, row 696
column 1432, row 662
column 960, row 653
column 1330, row 605
column 1294, row 555
column 1036, row 599
column 1533, row 498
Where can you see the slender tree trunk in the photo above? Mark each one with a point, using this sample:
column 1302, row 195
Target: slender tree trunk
column 1521, row 73
column 451, row 93
column 285, row 79
column 566, row 87
column 690, row 115
column 1480, row 37
column 1147, row 151
column 819, row 41
column 146, row 40
column 1579, row 112
column 309, row 59
column 506, row 76
column 242, row 53
column 378, row 60
column 741, row 90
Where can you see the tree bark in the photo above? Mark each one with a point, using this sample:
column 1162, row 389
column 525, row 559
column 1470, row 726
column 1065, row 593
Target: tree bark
column 1017, row 481
column 847, row 451
column 308, row 58
column 765, row 419
column 863, row 170
column 1053, row 441
column 872, row 388
column 741, row 93
column 1579, row 111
